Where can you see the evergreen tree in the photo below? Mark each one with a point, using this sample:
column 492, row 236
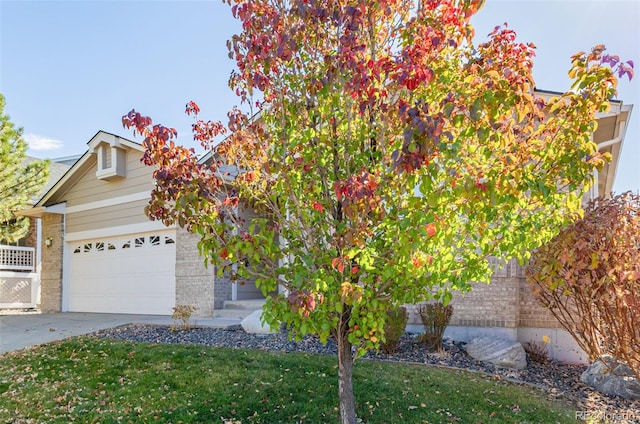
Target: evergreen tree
column 20, row 180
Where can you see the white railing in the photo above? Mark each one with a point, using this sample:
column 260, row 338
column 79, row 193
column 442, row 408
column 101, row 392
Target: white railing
column 17, row 258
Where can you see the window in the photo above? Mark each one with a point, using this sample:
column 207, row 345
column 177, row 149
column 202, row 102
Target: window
column 146, row 242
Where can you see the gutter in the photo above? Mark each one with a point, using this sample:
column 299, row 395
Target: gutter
column 594, row 191
column 616, row 140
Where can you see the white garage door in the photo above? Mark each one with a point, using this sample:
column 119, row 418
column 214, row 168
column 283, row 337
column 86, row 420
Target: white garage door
column 129, row 274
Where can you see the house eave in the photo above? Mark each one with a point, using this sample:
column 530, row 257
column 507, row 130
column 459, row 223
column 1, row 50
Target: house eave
column 38, row 211
column 35, row 212
column 609, row 137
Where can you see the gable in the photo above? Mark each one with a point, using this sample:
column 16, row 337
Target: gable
column 93, row 203
column 106, row 190
column 88, row 187
column 108, row 158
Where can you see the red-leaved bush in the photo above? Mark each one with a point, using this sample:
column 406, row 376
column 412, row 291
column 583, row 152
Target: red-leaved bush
column 589, row 278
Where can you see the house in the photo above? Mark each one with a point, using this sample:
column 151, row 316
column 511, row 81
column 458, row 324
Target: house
column 106, row 256
column 20, row 262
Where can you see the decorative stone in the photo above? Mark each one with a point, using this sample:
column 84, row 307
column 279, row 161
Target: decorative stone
column 252, row 324
column 619, row 381
column 500, row 352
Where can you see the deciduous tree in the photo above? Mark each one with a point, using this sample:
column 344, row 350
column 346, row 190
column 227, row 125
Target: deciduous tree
column 388, row 160
column 20, row 180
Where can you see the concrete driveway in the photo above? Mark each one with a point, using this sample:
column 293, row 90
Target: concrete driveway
column 30, row 329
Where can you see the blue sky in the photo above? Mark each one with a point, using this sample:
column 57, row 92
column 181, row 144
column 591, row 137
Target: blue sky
column 71, row 68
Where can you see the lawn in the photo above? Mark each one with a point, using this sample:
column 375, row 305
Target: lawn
column 106, row 381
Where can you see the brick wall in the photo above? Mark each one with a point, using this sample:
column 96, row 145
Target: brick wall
column 51, row 275
column 32, row 236
column 532, row 313
column 194, row 282
column 506, row 302
column 490, row 305
column 32, row 239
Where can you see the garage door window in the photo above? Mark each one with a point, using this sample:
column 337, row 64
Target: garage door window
column 138, row 242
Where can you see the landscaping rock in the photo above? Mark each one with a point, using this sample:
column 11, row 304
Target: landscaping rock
column 619, row 381
column 500, row 352
column 252, row 324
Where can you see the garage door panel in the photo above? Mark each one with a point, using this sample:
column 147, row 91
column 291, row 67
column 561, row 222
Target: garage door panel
column 118, row 304
column 129, row 274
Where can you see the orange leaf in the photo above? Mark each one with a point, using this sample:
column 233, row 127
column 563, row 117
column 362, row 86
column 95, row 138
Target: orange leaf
column 431, row 229
column 338, row 264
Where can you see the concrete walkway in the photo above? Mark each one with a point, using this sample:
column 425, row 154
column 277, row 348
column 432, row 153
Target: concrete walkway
column 30, row 329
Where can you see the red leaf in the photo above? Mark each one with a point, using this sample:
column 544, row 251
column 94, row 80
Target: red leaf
column 192, row 107
column 334, row 262
column 338, row 264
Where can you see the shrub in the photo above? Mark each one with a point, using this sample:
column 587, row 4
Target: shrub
column 182, row 317
column 394, row 326
column 588, row 276
column 537, row 351
column 435, row 318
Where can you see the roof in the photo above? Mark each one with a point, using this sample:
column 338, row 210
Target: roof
column 609, row 137
column 67, row 160
column 56, row 171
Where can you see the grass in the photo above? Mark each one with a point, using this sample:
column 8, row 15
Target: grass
column 105, row 381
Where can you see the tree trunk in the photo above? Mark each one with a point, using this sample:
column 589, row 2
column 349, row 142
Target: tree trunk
column 345, row 380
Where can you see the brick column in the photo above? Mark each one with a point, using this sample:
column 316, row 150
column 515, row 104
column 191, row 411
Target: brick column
column 532, row 312
column 51, row 274
column 194, row 282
